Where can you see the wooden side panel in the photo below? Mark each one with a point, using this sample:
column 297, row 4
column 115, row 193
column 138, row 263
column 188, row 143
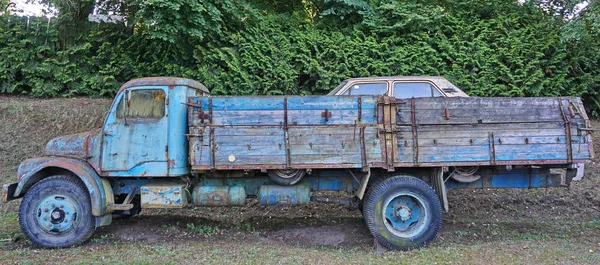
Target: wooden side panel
column 281, row 132
column 249, row 146
column 333, row 145
column 488, row 131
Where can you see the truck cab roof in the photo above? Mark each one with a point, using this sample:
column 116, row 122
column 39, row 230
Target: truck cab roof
column 164, row 81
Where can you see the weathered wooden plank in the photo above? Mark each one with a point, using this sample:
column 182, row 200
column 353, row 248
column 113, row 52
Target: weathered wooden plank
column 245, row 103
column 441, row 159
column 553, row 109
column 484, row 127
column 245, row 131
column 530, row 156
column 336, row 102
column 252, row 140
column 248, row 117
column 479, row 119
column 499, row 139
column 484, row 102
column 327, row 159
column 481, row 134
column 465, row 116
column 241, row 160
column 448, row 150
column 335, row 116
column 247, row 149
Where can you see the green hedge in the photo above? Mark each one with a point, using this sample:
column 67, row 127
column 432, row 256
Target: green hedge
column 488, row 48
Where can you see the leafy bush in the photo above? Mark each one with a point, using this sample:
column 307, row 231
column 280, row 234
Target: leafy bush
column 488, row 48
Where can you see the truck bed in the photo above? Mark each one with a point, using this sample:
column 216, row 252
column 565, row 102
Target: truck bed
column 382, row 132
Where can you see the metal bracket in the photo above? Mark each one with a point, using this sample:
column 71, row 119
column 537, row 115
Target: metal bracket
column 326, row 114
column 202, row 115
column 438, row 184
column 126, row 205
column 360, row 193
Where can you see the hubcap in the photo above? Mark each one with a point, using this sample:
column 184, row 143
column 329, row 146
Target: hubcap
column 405, row 214
column 57, row 214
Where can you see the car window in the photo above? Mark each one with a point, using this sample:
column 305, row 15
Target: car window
column 367, row 89
column 143, row 104
column 415, row 90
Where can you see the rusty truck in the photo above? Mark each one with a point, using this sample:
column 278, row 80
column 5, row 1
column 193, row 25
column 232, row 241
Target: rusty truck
column 396, row 145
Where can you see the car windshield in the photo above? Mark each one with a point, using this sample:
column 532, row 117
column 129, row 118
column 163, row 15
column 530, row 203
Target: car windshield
column 337, row 88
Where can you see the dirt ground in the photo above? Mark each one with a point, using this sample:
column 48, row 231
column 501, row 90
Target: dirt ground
column 554, row 225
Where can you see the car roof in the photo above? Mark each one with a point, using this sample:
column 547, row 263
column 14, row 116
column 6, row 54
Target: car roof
column 449, row 89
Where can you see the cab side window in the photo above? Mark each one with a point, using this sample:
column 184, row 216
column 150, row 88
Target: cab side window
column 367, row 89
column 143, row 104
column 415, row 90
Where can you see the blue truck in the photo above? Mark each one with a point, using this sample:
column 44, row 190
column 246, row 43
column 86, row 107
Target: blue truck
column 395, row 144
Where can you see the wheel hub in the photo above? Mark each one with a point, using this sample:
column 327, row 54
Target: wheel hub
column 403, row 212
column 57, row 214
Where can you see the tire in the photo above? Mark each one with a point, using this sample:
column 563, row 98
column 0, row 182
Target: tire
column 56, row 212
column 402, row 213
column 286, row 177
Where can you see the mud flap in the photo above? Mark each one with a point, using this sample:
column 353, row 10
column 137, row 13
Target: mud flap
column 8, row 191
column 437, row 183
column 103, row 220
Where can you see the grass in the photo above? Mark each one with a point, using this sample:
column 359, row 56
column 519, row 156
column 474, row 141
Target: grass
column 219, row 252
column 553, row 243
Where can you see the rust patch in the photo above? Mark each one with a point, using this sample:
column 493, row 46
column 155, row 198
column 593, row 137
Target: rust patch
column 171, row 163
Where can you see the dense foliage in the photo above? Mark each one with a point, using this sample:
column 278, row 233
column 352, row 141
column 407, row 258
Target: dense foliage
column 486, row 47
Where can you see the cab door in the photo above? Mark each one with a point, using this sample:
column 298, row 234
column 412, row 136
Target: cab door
column 135, row 134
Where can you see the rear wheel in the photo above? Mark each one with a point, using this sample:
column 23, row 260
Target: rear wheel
column 56, row 212
column 402, row 212
column 286, row 176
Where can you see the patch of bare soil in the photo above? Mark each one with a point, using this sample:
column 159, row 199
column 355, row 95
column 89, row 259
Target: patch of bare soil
column 27, row 124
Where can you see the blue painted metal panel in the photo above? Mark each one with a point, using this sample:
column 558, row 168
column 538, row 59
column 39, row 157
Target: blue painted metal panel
column 135, row 147
column 515, row 178
column 148, row 147
column 319, row 181
column 178, row 163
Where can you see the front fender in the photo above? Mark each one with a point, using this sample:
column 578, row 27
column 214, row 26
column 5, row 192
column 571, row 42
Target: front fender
column 33, row 170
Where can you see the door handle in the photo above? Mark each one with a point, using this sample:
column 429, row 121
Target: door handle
column 108, row 134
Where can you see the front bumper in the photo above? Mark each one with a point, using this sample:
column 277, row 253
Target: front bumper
column 8, row 191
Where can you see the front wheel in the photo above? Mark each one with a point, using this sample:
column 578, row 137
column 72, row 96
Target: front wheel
column 56, row 212
column 403, row 212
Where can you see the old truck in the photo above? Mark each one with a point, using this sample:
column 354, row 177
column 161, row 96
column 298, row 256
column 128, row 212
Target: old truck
column 395, row 144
